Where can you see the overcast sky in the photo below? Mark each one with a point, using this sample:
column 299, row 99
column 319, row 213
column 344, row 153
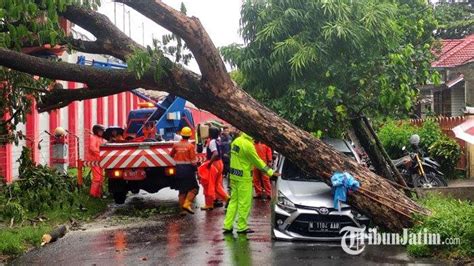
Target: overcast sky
column 219, row 17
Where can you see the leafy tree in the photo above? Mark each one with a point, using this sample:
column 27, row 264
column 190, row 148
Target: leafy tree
column 456, row 20
column 319, row 63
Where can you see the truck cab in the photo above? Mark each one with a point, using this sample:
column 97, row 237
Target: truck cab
column 138, row 163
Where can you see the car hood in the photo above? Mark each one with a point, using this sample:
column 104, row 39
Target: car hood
column 305, row 193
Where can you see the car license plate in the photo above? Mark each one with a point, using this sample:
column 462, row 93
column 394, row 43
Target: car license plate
column 134, row 174
column 324, row 226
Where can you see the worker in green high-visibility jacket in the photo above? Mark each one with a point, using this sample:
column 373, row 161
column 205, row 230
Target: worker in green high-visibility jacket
column 243, row 157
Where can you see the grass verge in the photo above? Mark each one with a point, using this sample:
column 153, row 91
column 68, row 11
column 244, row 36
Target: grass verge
column 27, row 234
column 452, row 219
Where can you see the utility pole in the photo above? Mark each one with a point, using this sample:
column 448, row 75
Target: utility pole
column 115, row 13
column 143, row 33
column 129, row 25
column 123, row 22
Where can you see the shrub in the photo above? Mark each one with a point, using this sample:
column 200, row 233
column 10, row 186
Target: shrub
column 447, row 152
column 430, row 132
column 450, row 218
column 395, row 135
column 14, row 211
column 39, row 188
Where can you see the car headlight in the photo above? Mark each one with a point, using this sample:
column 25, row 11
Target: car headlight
column 284, row 203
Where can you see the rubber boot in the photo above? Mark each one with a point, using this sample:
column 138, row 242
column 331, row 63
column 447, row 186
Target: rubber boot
column 207, row 208
column 209, row 204
column 188, row 202
column 226, row 202
column 182, row 199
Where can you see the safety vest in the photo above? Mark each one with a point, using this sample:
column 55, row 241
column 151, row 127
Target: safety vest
column 243, row 157
column 184, row 152
column 208, row 150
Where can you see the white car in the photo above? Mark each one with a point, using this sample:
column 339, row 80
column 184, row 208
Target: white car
column 303, row 206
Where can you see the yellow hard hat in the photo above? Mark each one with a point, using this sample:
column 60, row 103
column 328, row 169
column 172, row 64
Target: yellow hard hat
column 59, row 131
column 186, row 132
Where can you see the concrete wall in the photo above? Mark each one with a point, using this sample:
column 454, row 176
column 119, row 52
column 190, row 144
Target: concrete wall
column 462, row 193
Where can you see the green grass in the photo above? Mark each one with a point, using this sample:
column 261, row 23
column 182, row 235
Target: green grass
column 451, row 218
column 22, row 236
column 17, row 240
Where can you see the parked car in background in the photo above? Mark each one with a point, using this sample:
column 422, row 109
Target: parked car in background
column 303, row 206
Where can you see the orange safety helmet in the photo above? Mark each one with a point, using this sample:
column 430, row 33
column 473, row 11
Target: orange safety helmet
column 186, row 132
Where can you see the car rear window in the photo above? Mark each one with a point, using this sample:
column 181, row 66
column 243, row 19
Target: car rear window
column 293, row 172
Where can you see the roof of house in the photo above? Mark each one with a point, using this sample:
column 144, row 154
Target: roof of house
column 455, row 52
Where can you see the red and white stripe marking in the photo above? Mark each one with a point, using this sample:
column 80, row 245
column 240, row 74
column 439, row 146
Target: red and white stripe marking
column 136, row 158
column 91, row 163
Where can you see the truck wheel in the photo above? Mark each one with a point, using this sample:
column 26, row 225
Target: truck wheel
column 119, row 197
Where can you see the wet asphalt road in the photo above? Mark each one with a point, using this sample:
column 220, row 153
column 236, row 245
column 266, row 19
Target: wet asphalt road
column 171, row 239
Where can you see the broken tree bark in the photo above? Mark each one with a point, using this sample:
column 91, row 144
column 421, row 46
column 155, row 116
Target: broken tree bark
column 378, row 156
column 395, row 173
column 216, row 92
column 369, row 145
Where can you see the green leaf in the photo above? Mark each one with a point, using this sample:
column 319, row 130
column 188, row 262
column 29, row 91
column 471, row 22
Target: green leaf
column 331, row 92
column 341, row 109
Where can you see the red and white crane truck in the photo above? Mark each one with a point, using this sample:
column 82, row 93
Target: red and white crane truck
column 139, row 163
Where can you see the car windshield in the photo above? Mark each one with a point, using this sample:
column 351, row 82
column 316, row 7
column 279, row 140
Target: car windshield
column 293, row 172
column 350, row 155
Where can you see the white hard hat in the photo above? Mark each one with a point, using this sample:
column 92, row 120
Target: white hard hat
column 59, row 131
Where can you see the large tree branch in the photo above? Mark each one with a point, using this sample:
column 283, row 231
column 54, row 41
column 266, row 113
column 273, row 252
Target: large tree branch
column 192, row 32
column 93, row 77
column 113, row 41
column 91, row 47
column 100, row 82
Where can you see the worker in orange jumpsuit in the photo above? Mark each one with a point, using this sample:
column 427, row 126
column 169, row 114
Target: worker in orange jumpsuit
column 93, row 154
column 261, row 182
column 184, row 154
column 214, row 189
column 149, row 130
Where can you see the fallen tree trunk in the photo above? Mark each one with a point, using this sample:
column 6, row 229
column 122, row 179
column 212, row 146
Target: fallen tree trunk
column 216, row 92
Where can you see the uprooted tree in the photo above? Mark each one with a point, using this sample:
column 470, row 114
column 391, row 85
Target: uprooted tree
column 213, row 90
